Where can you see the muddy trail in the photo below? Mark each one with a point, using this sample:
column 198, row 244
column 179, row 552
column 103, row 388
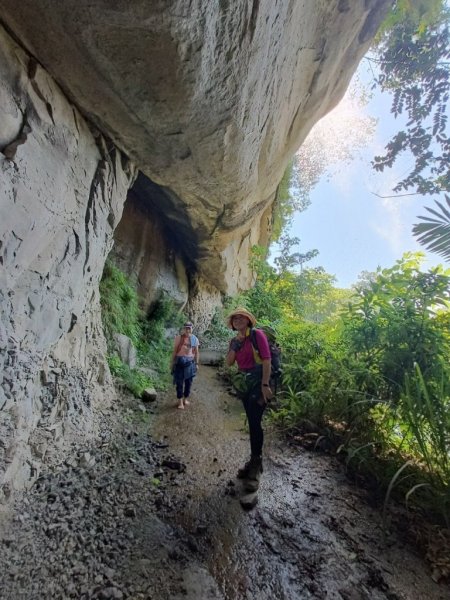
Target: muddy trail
column 152, row 512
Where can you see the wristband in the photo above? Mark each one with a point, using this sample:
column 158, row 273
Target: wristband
column 265, row 385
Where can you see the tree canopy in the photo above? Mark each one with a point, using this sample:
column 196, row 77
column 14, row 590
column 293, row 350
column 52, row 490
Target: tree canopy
column 413, row 55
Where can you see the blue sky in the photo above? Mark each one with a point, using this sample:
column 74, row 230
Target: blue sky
column 353, row 229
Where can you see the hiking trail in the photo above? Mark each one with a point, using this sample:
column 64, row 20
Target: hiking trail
column 152, row 513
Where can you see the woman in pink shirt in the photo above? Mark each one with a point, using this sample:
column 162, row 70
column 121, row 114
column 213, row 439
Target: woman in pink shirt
column 256, row 368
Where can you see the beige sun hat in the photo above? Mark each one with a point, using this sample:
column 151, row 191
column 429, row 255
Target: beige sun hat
column 243, row 312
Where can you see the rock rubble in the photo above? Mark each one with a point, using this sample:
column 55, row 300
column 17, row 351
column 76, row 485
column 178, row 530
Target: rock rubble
column 76, row 533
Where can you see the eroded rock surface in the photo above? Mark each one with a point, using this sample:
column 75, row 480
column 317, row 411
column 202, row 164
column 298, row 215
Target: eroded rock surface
column 145, row 250
column 210, row 99
column 62, row 190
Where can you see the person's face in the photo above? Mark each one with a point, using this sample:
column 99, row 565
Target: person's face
column 239, row 322
column 188, row 330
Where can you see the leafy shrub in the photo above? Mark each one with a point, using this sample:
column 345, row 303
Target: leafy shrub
column 121, row 313
column 134, row 380
column 395, row 322
column 120, row 305
column 373, row 375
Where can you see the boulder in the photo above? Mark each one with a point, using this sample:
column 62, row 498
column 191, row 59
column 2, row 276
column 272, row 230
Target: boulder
column 126, row 350
column 149, row 395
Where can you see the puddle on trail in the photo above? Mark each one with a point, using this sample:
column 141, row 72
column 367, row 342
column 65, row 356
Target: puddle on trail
column 312, row 535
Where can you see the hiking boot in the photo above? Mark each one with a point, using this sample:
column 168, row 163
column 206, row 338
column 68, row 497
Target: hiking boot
column 244, row 471
column 251, row 473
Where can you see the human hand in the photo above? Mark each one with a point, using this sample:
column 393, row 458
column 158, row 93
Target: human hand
column 235, row 344
column 266, row 394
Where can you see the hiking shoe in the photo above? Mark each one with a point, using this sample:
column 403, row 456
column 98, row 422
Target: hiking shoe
column 251, row 473
column 244, row 471
column 251, row 482
column 254, row 462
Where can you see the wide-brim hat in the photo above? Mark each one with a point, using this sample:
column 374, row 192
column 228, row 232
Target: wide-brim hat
column 242, row 312
column 188, row 324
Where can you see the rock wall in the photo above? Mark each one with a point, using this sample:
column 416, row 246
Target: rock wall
column 210, row 98
column 62, row 189
column 146, row 252
column 160, row 253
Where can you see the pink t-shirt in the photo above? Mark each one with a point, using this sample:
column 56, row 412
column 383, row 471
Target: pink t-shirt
column 244, row 357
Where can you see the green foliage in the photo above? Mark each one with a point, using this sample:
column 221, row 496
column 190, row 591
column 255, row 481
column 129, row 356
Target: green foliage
column 426, row 409
column 287, row 260
column 370, row 364
column 421, row 12
column 120, row 305
column 391, row 325
column 415, row 434
column 288, row 201
column 295, row 407
column 164, row 313
column 218, row 330
column 318, row 299
column 134, row 380
column 121, row 314
column 434, row 233
column 413, row 57
column 262, row 300
column 280, row 290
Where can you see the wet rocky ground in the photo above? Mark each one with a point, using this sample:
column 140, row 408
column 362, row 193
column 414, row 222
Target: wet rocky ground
column 152, row 512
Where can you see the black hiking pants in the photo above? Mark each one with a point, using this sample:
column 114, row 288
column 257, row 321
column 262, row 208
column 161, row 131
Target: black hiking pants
column 254, row 410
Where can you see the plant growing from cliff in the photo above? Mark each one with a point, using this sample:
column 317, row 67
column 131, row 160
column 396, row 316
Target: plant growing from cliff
column 133, row 379
column 290, row 199
column 280, row 216
column 336, row 139
column 122, row 314
column 120, row 305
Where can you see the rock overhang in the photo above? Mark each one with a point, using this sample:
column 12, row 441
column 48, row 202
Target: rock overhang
column 209, row 99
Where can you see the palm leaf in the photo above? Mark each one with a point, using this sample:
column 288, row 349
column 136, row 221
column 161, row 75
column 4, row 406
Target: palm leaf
column 434, row 233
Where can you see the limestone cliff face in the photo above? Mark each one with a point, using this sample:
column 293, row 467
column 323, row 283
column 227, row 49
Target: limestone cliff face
column 144, row 251
column 61, row 196
column 208, row 100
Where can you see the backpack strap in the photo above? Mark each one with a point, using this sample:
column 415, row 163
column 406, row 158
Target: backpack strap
column 256, row 355
column 253, row 339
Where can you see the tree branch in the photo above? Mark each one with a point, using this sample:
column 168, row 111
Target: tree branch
column 397, row 195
